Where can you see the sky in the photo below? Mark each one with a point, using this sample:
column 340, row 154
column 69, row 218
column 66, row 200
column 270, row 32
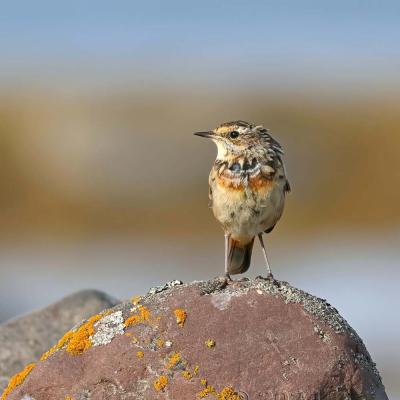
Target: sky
column 105, row 42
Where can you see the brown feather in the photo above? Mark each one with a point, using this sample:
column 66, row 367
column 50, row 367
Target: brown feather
column 239, row 256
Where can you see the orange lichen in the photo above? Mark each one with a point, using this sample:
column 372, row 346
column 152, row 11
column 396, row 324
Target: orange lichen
column 203, row 382
column 228, row 393
column 80, row 340
column 76, row 342
column 136, row 300
column 61, row 343
column 159, row 343
column 180, row 315
column 17, row 380
column 187, row 375
column 143, row 316
column 161, row 383
column 140, row 354
column 145, row 313
column 206, row 391
column 135, row 319
column 196, row 369
column 210, row 343
column 68, row 398
column 173, row 360
column 134, row 338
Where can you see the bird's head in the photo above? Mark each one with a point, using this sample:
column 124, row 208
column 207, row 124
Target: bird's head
column 237, row 137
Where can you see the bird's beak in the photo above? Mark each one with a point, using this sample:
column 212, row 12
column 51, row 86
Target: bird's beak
column 209, row 134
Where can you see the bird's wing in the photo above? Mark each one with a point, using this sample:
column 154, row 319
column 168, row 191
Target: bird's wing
column 287, row 187
column 270, row 142
column 210, row 195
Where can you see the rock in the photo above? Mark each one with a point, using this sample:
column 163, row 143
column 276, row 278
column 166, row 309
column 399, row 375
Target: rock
column 249, row 340
column 25, row 339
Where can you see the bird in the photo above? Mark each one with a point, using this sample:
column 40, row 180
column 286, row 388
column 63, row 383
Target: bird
column 247, row 189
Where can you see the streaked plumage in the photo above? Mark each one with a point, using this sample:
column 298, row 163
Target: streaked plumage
column 248, row 185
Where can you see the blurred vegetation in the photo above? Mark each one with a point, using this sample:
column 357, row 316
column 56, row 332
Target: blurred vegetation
column 127, row 162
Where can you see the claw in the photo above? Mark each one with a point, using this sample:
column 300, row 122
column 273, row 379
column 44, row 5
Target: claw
column 225, row 280
column 269, row 278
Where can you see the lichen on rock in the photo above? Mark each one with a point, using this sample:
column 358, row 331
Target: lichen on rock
column 107, row 328
column 80, row 341
column 168, row 285
column 228, row 393
column 61, row 343
column 161, row 383
column 143, row 315
column 249, row 338
column 210, row 343
column 181, row 316
column 175, row 361
column 17, row 380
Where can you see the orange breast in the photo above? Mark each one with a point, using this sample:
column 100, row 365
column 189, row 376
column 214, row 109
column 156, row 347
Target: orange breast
column 256, row 183
column 260, row 182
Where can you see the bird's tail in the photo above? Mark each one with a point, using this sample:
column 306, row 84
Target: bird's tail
column 239, row 256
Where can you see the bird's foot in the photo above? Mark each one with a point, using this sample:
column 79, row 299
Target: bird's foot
column 269, row 278
column 225, row 280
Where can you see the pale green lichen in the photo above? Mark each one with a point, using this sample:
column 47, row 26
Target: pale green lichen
column 168, row 285
column 324, row 336
column 107, row 328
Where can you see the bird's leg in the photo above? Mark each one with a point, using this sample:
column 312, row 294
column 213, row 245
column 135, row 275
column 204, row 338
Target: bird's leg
column 227, row 236
column 226, row 279
column 269, row 276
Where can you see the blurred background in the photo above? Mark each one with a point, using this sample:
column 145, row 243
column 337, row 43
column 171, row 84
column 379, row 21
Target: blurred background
column 104, row 186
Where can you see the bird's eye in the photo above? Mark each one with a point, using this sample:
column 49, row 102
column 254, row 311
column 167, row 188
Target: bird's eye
column 234, row 134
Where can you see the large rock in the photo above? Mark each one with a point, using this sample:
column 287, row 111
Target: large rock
column 249, row 340
column 25, row 339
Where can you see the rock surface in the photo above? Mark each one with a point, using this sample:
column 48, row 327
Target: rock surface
column 249, row 340
column 25, row 339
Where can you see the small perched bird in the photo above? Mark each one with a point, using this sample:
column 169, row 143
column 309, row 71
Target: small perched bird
column 247, row 188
